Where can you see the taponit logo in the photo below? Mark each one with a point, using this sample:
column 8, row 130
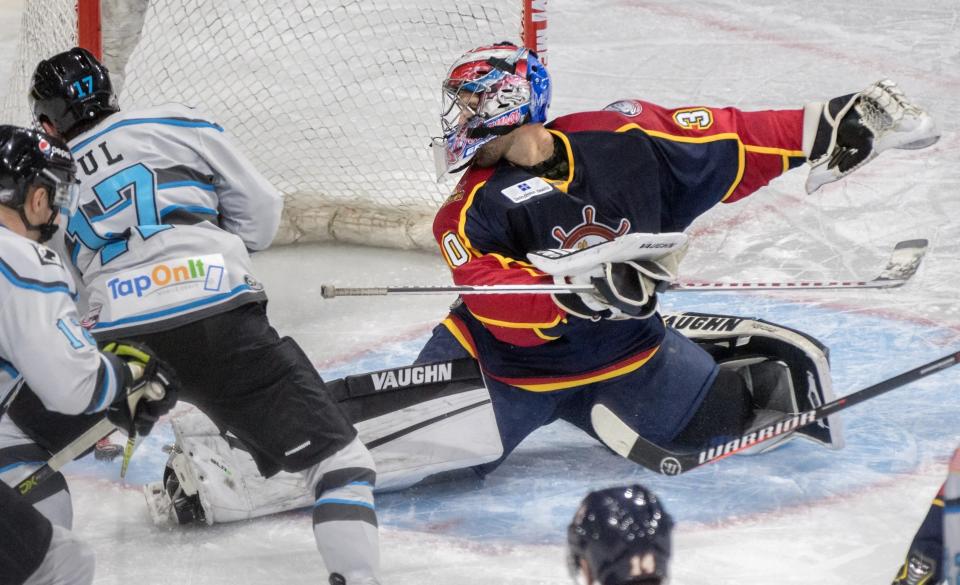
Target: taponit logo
column 762, row 434
column 412, row 376
column 205, row 272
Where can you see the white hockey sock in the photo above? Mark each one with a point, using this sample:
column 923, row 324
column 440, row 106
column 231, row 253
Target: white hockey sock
column 345, row 518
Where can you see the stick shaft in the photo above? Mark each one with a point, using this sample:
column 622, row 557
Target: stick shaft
column 628, row 443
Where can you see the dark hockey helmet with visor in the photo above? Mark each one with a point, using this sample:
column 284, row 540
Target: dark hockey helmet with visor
column 624, row 535
column 72, row 90
column 29, row 158
column 488, row 92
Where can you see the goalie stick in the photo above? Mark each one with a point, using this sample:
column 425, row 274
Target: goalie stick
column 901, row 266
column 617, row 435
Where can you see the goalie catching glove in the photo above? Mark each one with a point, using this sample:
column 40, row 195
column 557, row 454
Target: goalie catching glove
column 626, row 273
column 847, row 132
column 141, row 369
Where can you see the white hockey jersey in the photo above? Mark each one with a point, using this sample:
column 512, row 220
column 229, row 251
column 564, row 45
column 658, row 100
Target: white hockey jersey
column 168, row 211
column 41, row 340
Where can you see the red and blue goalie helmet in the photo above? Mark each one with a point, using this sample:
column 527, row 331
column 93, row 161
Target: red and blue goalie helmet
column 489, row 92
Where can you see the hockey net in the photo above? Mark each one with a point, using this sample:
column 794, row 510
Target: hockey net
column 335, row 102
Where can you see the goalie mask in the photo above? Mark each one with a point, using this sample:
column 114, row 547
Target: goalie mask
column 488, row 92
column 29, row 158
column 623, row 534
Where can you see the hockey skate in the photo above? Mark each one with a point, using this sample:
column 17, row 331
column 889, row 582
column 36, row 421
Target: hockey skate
column 917, row 570
column 169, row 502
column 845, row 133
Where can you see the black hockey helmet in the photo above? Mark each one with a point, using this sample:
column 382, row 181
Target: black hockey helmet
column 72, row 90
column 29, row 158
column 624, row 535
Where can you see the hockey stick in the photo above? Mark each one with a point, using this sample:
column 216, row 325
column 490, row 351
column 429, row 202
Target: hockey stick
column 88, row 439
column 901, row 266
column 617, row 435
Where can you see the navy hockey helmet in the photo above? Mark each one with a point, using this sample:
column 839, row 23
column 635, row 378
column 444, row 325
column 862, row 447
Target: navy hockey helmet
column 488, row 92
column 623, row 534
column 30, row 158
column 72, row 90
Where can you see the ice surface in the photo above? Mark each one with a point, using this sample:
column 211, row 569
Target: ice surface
column 795, row 516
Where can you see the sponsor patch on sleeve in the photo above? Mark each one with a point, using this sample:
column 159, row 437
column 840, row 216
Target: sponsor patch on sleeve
column 527, row 189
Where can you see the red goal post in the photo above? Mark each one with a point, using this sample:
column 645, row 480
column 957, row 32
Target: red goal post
column 335, row 104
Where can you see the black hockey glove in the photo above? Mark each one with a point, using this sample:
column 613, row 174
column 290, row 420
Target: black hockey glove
column 624, row 290
column 134, row 411
column 630, row 288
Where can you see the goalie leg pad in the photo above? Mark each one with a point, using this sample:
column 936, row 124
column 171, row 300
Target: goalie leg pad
column 413, row 430
column 797, row 379
column 223, row 481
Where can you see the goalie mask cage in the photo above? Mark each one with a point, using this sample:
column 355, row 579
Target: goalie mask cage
column 335, row 102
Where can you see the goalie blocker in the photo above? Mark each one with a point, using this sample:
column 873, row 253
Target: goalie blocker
column 427, row 419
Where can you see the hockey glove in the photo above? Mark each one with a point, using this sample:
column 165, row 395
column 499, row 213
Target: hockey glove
column 847, row 132
column 133, row 412
column 624, row 290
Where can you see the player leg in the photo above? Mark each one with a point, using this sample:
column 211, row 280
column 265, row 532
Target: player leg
column 925, row 557
column 265, row 394
column 418, row 421
column 729, row 376
column 659, row 399
column 441, row 346
column 20, row 456
column 33, row 551
column 845, row 133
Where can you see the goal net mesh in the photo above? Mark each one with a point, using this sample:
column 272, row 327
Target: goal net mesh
column 335, row 102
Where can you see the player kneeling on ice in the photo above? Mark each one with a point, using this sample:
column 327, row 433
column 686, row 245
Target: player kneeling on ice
column 44, row 351
column 169, row 212
column 603, row 176
column 620, row 536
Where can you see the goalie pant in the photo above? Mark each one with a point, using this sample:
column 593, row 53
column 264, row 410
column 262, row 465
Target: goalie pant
column 424, row 420
column 713, row 369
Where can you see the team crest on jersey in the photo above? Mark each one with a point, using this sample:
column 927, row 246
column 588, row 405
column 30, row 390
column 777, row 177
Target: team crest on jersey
column 589, row 232
column 626, row 107
column 47, row 256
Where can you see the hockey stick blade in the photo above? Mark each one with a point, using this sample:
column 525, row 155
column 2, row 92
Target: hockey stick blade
column 625, row 441
column 901, row 266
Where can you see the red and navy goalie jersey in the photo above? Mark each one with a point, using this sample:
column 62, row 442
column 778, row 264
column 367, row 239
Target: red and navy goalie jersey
column 633, row 167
